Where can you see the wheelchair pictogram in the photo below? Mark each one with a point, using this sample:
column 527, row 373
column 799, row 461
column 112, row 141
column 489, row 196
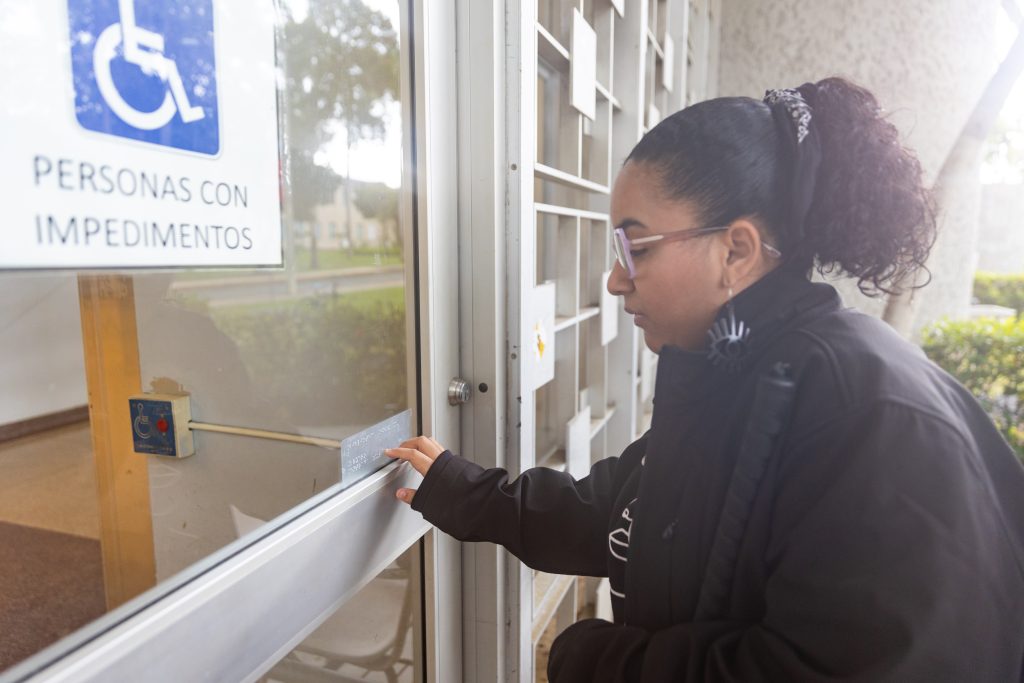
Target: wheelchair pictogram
column 141, row 424
column 145, row 49
column 144, row 69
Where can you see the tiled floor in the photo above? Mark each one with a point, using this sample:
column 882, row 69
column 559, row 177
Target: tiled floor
column 47, row 481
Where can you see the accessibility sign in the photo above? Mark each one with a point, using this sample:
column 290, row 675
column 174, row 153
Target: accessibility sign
column 155, row 84
column 139, row 133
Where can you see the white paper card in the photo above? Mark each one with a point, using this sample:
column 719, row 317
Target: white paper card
column 538, row 344
column 577, row 444
column 609, row 312
column 583, row 65
column 648, row 369
column 668, row 64
column 653, row 116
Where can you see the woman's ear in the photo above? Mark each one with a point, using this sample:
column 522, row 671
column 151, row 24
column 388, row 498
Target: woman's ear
column 744, row 260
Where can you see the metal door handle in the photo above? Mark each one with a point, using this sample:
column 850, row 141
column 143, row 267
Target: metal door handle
column 459, row 391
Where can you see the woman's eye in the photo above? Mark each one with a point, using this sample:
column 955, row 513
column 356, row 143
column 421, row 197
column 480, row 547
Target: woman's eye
column 637, row 253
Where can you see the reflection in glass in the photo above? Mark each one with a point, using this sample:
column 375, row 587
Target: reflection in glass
column 372, row 637
column 51, row 572
column 315, row 348
column 318, row 349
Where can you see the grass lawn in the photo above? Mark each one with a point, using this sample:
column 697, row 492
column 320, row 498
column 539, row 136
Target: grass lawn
column 334, row 259
column 392, row 297
column 371, row 298
column 340, row 259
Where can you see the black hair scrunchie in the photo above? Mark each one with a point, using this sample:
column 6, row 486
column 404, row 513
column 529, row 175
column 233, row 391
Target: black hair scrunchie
column 792, row 110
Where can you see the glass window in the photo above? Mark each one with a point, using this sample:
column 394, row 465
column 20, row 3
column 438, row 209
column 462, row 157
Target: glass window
column 318, row 348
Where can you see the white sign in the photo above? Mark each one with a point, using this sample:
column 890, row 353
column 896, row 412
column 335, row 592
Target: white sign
column 583, row 66
column 138, row 133
column 577, row 444
column 609, row 311
column 538, row 344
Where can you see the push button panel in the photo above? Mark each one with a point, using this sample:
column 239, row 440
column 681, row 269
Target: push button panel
column 160, row 425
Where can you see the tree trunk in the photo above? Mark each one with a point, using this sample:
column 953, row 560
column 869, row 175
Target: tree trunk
column 314, row 262
column 901, row 309
column 348, row 190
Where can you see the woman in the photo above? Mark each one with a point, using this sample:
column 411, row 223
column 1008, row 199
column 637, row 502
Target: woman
column 814, row 501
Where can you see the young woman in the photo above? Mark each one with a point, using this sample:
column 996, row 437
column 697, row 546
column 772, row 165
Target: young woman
column 815, row 500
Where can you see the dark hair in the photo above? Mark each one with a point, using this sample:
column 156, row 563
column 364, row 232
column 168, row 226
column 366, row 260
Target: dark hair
column 869, row 216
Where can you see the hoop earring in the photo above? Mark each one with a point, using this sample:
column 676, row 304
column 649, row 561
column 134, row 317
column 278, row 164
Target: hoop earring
column 728, row 339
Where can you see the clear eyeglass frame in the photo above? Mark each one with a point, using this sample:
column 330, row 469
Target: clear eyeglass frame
column 623, row 245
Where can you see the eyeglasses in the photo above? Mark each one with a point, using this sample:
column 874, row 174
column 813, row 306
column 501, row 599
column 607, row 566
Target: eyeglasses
column 624, row 246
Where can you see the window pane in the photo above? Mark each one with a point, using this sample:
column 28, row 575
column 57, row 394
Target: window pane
column 317, row 348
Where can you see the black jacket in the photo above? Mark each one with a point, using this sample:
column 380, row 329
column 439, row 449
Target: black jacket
column 881, row 538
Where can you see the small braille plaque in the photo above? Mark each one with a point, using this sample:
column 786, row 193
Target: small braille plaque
column 363, row 452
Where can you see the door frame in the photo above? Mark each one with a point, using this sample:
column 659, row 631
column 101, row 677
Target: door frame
column 234, row 614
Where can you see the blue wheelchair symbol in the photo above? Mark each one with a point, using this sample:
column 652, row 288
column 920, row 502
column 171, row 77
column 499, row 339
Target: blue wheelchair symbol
column 145, row 70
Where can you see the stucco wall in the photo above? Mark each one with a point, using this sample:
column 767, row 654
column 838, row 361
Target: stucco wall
column 1001, row 229
column 926, row 61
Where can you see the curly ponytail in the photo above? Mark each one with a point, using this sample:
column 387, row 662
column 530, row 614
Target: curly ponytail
column 869, row 215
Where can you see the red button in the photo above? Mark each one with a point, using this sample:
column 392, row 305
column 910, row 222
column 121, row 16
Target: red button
column 162, row 425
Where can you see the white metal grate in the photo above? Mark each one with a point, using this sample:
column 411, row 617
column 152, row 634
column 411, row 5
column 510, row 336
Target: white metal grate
column 605, row 72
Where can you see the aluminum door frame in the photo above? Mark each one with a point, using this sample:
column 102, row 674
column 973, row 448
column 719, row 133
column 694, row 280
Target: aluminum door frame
column 232, row 616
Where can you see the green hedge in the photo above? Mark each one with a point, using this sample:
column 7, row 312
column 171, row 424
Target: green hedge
column 987, row 356
column 1001, row 290
column 326, row 359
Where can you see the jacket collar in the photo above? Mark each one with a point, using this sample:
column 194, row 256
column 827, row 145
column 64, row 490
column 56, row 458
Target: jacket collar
column 766, row 307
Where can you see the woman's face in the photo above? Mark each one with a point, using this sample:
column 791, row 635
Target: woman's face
column 678, row 288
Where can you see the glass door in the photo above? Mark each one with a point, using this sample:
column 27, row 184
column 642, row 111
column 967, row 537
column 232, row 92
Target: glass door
column 275, row 551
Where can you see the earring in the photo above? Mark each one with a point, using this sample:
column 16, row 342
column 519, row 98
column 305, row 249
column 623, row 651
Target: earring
column 728, row 338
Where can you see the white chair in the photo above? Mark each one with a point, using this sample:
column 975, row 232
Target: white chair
column 368, row 634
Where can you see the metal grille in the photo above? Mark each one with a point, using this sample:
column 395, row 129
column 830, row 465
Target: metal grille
column 606, row 71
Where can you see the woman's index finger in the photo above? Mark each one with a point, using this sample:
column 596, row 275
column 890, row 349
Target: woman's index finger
column 412, row 442
column 420, row 462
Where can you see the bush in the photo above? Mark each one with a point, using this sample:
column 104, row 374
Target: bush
column 1001, row 290
column 987, row 356
column 328, row 360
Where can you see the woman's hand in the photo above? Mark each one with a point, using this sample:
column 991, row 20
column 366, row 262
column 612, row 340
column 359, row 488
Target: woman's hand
column 420, row 452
